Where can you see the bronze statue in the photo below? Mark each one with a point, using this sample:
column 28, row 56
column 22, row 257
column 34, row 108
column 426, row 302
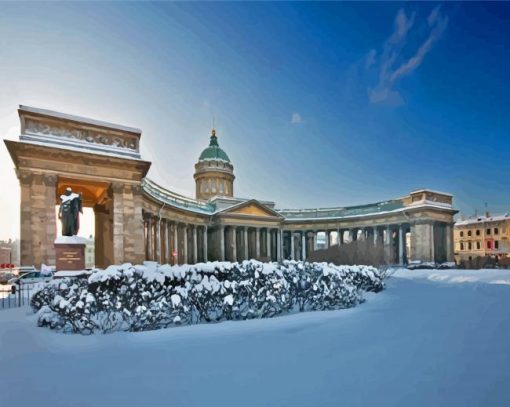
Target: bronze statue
column 69, row 212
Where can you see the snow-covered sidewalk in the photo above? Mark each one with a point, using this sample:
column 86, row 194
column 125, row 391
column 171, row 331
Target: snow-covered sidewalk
column 418, row 343
column 490, row 276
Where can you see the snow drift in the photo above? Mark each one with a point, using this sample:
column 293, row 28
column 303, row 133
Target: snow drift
column 139, row 298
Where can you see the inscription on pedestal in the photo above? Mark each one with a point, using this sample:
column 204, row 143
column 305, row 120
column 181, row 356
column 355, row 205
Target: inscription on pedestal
column 70, row 256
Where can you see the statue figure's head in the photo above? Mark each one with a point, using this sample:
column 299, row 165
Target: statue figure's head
column 69, row 191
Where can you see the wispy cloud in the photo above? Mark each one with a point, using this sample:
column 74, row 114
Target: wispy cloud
column 390, row 64
column 296, row 118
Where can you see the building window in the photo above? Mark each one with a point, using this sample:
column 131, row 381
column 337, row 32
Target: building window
column 478, row 232
column 496, row 231
column 462, row 246
column 469, row 246
column 469, row 233
column 488, row 231
column 489, row 245
column 478, row 245
column 496, row 244
column 461, row 233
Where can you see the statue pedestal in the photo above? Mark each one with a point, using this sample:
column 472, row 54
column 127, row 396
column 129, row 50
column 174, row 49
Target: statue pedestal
column 70, row 253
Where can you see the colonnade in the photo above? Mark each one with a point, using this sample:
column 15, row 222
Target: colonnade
column 173, row 242
column 237, row 243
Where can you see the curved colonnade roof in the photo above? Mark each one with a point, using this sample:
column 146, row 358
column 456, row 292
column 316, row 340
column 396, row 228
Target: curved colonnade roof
column 209, row 208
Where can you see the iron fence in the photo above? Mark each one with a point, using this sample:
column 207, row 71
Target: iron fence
column 12, row 296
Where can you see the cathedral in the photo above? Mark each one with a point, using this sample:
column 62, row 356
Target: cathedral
column 136, row 219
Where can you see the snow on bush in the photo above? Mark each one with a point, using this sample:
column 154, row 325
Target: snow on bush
column 138, row 298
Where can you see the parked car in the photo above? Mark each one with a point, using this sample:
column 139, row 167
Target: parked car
column 5, row 276
column 31, row 278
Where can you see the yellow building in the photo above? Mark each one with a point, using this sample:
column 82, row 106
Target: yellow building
column 482, row 236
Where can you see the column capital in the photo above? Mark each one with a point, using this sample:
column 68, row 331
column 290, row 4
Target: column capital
column 117, row 187
column 137, row 189
column 50, row 180
column 25, row 177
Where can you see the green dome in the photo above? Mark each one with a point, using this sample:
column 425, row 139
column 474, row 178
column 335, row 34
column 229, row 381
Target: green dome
column 213, row 152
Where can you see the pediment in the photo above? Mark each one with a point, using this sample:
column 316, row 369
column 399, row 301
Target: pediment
column 251, row 208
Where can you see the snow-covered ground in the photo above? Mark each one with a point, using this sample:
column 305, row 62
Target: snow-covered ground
column 489, row 276
column 427, row 340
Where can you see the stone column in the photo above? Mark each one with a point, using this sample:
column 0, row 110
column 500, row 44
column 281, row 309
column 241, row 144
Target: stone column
column 154, row 239
column 149, row 238
column 118, row 222
column 278, row 245
column 327, row 238
column 375, row 236
column 245, row 245
column 38, row 221
column 233, row 244
column 303, row 246
column 387, row 248
column 268, row 243
column 338, row 237
column 432, row 242
column 222, row 243
column 167, row 242
column 103, row 231
column 133, row 219
column 26, row 236
column 205, row 243
column 185, row 242
column 50, row 183
column 176, row 243
column 195, row 245
column 158, row 239
column 400, row 244
column 257, row 242
column 314, row 240
column 292, row 256
column 449, row 242
column 422, row 241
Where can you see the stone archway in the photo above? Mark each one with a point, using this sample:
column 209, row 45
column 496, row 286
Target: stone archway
column 99, row 159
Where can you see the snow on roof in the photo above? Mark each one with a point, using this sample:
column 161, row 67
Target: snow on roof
column 80, row 119
column 430, row 190
column 482, row 219
column 83, row 148
column 176, row 200
column 341, row 212
column 236, row 200
column 210, row 208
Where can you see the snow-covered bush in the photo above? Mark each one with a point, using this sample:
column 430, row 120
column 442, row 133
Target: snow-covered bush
column 138, row 298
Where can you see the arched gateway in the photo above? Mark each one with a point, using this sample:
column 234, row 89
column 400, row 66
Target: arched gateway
column 136, row 219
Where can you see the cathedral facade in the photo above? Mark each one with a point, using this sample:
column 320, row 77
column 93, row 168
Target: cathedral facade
column 136, row 219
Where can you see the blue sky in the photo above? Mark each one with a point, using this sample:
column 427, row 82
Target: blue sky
column 317, row 104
